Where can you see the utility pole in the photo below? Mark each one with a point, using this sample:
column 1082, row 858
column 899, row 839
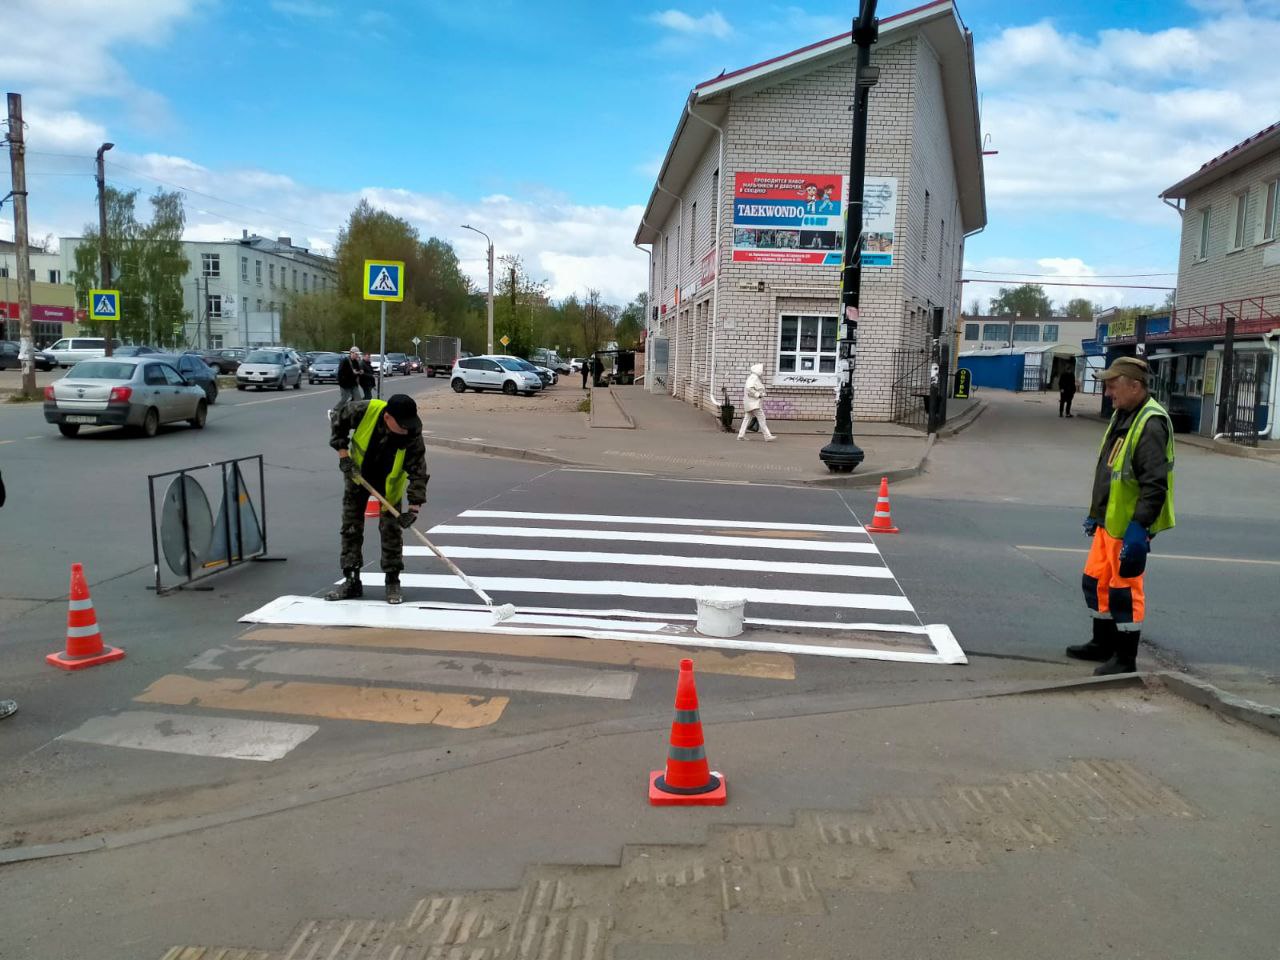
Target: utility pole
column 842, row 455
column 489, row 243
column 18, row 170
column 513, row 297
column 102, row 238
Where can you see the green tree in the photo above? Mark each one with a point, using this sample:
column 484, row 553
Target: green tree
column 631, row 322
column 1079, row 307
column 147, row 267
column 520, row 308
column 1028, row 300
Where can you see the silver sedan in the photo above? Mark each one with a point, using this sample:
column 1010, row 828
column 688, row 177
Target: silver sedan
column 137, row 392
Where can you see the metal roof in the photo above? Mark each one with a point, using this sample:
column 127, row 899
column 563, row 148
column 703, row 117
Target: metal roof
column 1244, row 152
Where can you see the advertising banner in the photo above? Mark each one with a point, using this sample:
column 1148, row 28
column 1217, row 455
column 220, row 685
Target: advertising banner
column 799, row 218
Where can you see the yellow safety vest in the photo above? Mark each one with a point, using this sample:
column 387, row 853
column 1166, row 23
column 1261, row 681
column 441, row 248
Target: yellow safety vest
column 397, row 479
column 1122, row 499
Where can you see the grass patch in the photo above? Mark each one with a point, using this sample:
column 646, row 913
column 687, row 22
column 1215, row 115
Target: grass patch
column 23, row 398
column 585, row 406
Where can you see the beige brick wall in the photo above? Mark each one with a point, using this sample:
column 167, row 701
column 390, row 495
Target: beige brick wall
column 803, row 125
column 1227, row 274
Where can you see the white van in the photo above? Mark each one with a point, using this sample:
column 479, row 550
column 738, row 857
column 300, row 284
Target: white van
column 71, row 350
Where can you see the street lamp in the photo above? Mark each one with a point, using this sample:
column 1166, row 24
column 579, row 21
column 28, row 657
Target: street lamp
column 102, row 236
column 467, row 226
column 842, row 455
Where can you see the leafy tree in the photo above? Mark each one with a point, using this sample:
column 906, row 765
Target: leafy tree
column 1079, row 307
column 596, row 322
column 631, row 322
column 147, row 267
column 1027, row 300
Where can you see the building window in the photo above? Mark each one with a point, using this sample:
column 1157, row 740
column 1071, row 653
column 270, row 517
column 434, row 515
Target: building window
column 1026, row 332
column 271, row 273
column 259, row 305
column 4, row 271
column 1271, row 219
column 971, row 331
column 693, row 230
column 995, row 333
column 666, row 256
column 295, row 279
column 1049, row 333
column 213, row 306
column 1195, row 376
column 55, row 276
column 244, row 269
column 1237, row 227
column 1203, row 252
column 215, row 341
column 257, row 271
column 807, row 344
column 211, row 266
column 244, row 308
column 32, row 272
column 305, row 288
column 924, row 236
column 942, row 244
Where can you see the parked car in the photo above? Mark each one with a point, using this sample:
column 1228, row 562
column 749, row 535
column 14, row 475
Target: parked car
column 134, row 350
column 71, row 350
column 43, row 360
column 225, row 360
column 400, row 361
column 9, row 353
column 543, row 357
column 547, row 376
column 138, row 392
column 277, row 368
column 324, row 367
column 494, row 373
column 375, row 364
column 192, row 367
column 575, row 364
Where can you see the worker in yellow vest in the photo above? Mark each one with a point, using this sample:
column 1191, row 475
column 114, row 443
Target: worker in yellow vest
column 1132, row 502
column 381, row 441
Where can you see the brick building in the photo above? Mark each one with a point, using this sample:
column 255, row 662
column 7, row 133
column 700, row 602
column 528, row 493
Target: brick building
column 1228, row 269
column 744, row 225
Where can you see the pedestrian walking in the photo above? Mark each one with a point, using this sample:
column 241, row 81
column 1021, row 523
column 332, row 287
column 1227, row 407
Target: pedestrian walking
column 350, row 370
column 381, row 441
column 586, row 371
column 1066, row 390
column 1132, row 501
column 752, row 403
column 367, row 380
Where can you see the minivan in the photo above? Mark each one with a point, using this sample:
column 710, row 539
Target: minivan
column 71, row 350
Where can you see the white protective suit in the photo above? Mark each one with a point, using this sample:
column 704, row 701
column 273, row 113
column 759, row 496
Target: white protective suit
column 752, row 403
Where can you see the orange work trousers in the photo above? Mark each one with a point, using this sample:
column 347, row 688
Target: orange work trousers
column 1106, row 592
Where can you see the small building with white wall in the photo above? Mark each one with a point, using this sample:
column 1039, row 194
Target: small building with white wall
column 745, row 222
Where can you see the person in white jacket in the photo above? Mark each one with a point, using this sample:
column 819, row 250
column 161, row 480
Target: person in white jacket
column 752, row 400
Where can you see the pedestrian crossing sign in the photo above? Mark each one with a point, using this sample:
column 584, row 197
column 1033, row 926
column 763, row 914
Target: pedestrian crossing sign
column 384, row 280
column 104, row 304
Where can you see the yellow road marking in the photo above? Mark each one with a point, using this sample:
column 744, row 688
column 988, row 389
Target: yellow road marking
column 337, row 701
column 761, row 666
column 1158, row 556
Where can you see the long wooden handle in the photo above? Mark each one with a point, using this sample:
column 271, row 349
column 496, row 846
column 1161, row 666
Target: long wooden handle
column 453, row 567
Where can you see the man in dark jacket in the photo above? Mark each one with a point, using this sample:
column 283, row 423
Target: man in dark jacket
column 381, row 441
column 1066, row 390
column 350, row 371
column 1132, row 501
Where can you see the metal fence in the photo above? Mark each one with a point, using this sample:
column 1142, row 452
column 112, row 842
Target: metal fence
column 1244, row 401
column 909, row 397
column 189, row 541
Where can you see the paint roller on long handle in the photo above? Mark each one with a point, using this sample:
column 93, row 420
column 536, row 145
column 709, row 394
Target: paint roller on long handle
column 500, row 612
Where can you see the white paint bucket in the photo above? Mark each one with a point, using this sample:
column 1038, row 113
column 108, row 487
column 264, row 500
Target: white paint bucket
column 720, row 614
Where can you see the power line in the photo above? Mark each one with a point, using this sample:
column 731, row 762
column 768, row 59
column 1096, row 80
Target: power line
column 1086, row 276
column 1104, row 286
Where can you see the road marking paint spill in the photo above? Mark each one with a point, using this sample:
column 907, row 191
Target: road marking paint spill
column 224, row 737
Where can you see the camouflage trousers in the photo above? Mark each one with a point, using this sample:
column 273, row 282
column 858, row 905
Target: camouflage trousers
column 354, row 500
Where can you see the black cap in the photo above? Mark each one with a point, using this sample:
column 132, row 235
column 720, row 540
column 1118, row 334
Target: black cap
column 405, row 412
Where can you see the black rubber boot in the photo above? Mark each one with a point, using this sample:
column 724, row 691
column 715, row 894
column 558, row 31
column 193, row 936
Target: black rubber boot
column 1103, row 644
column 349, row 589
column 393, row 588
column 1126, row 655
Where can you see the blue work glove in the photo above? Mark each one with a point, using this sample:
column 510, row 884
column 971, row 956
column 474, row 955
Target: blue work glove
column 1133, row 555
column 1090, row 526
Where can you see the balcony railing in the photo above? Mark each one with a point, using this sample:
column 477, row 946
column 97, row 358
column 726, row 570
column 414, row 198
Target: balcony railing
column 1209, row 321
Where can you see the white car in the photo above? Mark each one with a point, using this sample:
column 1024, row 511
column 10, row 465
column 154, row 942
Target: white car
column 71, row 350
column 375, row 364
column 494, row 373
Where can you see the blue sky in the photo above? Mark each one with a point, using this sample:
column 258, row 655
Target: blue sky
column 544, row 123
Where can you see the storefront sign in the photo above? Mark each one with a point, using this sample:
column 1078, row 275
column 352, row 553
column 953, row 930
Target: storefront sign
column 1121, row 327
column 40, row 312
column 798, row 218
column 964, row 380
column 1210, row 375
column 708, row 271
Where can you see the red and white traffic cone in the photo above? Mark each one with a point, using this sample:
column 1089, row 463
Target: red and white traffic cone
column 84, row 639
column 882, row 522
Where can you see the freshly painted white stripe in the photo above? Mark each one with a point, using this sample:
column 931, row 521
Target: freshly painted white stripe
column 668, row 538
column 88, row 631
column 313, row 611
column 1159, row 556
column 85, row 604
column 200, row 736
column 656, row 560
column 628, row 588
column 944, row 641
column 659, row 521
column 436, row 670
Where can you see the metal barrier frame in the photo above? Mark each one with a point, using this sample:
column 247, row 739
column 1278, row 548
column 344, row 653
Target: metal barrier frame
column 223, row 466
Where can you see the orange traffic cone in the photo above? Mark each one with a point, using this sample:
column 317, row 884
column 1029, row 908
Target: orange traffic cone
column 882, row 522
column 84, row 640
column 687, row 780
column 372, row 508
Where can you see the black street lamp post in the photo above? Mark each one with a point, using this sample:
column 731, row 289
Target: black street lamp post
column 842, row 455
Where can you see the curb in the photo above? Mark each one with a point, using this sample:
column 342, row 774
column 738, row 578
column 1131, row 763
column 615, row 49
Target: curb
column 1117, row 681
column 1227, row 448
column 1205, row 694
column 511, row 453
column 630, row 422
column 964, row 421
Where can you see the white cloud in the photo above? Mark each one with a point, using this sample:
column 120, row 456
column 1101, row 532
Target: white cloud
column 1064, row 279
column 709, row 24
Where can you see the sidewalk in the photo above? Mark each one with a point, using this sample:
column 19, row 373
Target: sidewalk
column 630, row 428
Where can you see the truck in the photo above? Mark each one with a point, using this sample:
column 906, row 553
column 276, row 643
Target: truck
column 439, row 354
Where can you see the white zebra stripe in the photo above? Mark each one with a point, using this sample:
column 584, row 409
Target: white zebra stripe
column 661, row 521
column 668, row 538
